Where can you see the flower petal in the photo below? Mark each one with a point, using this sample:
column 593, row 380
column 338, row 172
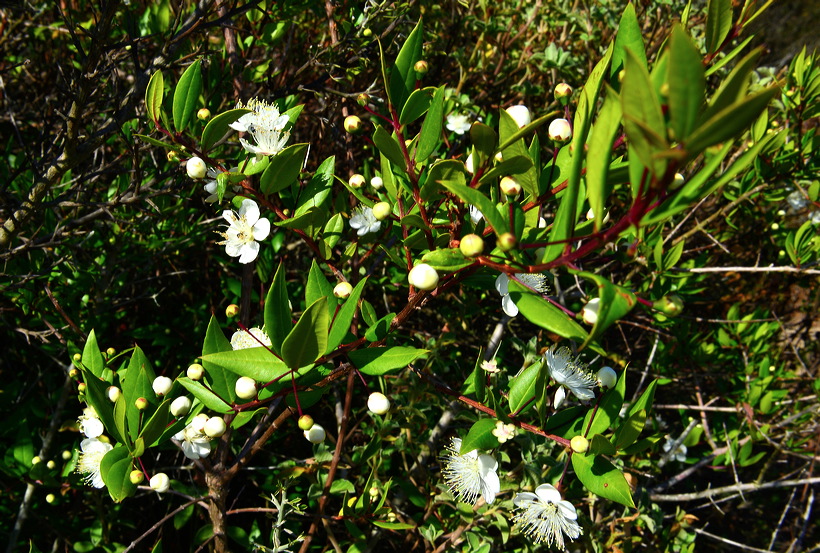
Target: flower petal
column 509, row 307
column 502, row 284
column 261, row 229
column 248, row 252
column 560, row 396
column 548, row 493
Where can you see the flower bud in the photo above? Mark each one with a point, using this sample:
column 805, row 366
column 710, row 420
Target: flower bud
column 66, row 455
column 591, row 216
column 423, row 277
column 195, row 371
column 113, row 393
column 373, row 492
column 471, row 245
column 607, row 377
column 382, row 211
column 204, row 114
column 469, row 163
column 376, row 183
column 353, row 124
column 579, row 444
column 356, row 181
column 521, row 115
column 196, row 168
column 510, row 186
column 559, row 130
column 367, row 32
column 245, row 387
column 141, row 403
column 378, row 403
column 316, row 434
column 136, row 477
column 342, row 290
column 232, row 310
column 363, row 99
column 36, row 460
column 160, row 482
column 180, row 407
column 77, row 357
column 421, row 67
column 562, row 93
column 172, row 156
column 51, row 465
column 215, row 427
column 507, row 241
column 198, row 422
column 51, row 498
column 671, row 305
column 81, row 386
column 110, row 352
column 590, row 311
column 162, row 385
column 305, row 422
column 677, row 182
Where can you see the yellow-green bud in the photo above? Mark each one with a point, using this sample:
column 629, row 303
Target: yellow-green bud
column 81, row 387
column 342, row 290
column 305, row 422
column 353, row 124
column 196, row 168
column 367, row 33
column 51, row 465
column 77, row 357
column 204, row 114
column 195, row 371
column 232, row 310
column 36, row 459
column 245, row 387
column 677, row 182
column 471, row 245
column 423, row 277
column 51, row 498
column 141, row 403
column 382, row 211
column 356, row 181
column 172, row 156
column 373, row 492
column 562, row 93
column 110, row 352
column 507, row 241
column 421, row 67
column 136, row 477
column 215, row 427
column 671, row 305
column 579, row 444
column 509, row 186
column 363, row 99
column 66, row 455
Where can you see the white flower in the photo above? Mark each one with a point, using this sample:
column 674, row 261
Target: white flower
column 797, row 200
column 93, row 451
column 569, row 373
column 814, row 217
column 520, row 114
column 90, row 425
column 364, row 221
column 211, row 186
column 194, row 443
column 475, row 215
column 502, row 283
column 490, row 366
column 679, row 454
column 459, row 123
column 470, row 475
column 503, row 431
column 266, row 126
column 244, row 229
column 546, row 517
column 160, row 482
column 252, row 338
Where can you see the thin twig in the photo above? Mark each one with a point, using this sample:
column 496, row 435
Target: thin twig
column 734, row 488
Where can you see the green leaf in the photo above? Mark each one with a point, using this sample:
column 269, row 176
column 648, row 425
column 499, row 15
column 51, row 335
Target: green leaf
column 602, row 478
column 450, row 170
column 600, row 154
column 153, row 96
column 278, row 322
column 480, row 436
column 218, row 127
column 308, row 338
column 430, row 136
column 417, row 104
column 507, row 130
column 186, row 96
column 96, row 394
column 718, row 23
column 215, row 340
column 642, row 114
column 155, row 426
column 614, row 303
column 403, row 76
column 388, row 146
column 92, row 356
column 317, row 287
column 155, row 142
column 257, row 363
column 629, row 431
column 394, row 525
column 380, row 329
column 137, row 384
column 121, row 422
column 629, row 38
column 687, row 83
column 115, row 469
column 341, row 324
column 284, row 169
column 522, row 388
column 318, row 189
column 446, row 259
column 599, row 445
column 204, row 395
column 512, row 166
column 645, row 401
column 734, row 86
column 483, row 203
column 608, row 408
column 540, row 312
column 382, row 360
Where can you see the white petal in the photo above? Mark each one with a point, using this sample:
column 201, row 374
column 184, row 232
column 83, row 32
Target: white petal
column 548, row 493
column 249, row 210
column 567, row 509
column 261, row 229
column 490, row 486
column 230, row 216
column 248, row 252
column 560, row 396
column 234, row 249
column 523, row 498
column 502, row 284
column 509, row 307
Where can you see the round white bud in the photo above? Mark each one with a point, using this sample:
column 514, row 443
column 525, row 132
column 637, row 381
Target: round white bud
column 356, row 181
column 378, row 403
column 160, row 482
column 196, row 168
column 342, row 290
column 520, row 114
column 113, row 393
column 509, row 186
column 607, row 377
column 162, row 385
column 245, row 387
column 181, row 406
column 215, row 427
column 559, row 130
column 590, row 311
column 423, row 277
column 376, row 183
column 195, row 371
column 316, row 434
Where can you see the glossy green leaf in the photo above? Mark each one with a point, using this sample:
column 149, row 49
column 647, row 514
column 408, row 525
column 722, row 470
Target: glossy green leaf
column 220, row 381
column 186, row 96
column 446, row 259
column 512, row 136
column 430, row 136
column 121, row 420
column 153, row 96
column 318, row 189
column 542, row 313
column 394, row 525
column 308, row 338
column 278, row 322
column 219, row 127
column 507, row 130
column 643, row 118
column 382, row 360
column 115, row 469
column 388, row 146
column 417, row 105
column 204, row 395
column 630, row 429
column 629, row 38
column 645, row 401
column 284, row 169
column 156, row 425
column 470, row 196
column 614, row 303
column 215, row 339
column 608, row 409
column 687, row 83
column 450, row 170
column 92, row 356
column 257, row 363
column 480, row 436
column 155, row 142
column 513, row 166
column 96, row 394
column 598, row 445
column 341, row 324
column 523, row 388
column 734, row 86
column 136, row 383
column 402, row 75
column 602, row 478
column 601, row 141
column 380, row 329
column 317, row 286
column 718, row 23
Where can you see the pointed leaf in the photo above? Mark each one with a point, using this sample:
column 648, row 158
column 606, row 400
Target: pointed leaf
column 388, row 146
column 382, row 360
column 341, row 324
column 92, row 356
column 480, row 437
column 718, row 23
column 487, row 208
column 186, row 96
column 277, row 311
column 257, row 363
column 218, row 127
column 602, row 478
column 153, row 95
column 204, row 395
column 430, row 136
column 115, row 469
column 687, row 83
column 284, row 169
column 403, row 75
column 540, row 312
column 308, row 338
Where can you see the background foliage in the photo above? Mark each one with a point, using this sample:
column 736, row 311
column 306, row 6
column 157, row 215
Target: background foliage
column 104, row 231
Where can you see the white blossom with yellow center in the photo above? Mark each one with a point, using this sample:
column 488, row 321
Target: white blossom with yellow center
column 93, row 451
column 244, row 229
column 471, row 475
column 266, row 125
column 546, row 517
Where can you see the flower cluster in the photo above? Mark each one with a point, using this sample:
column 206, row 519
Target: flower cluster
column 266, row 125
column 192, row 439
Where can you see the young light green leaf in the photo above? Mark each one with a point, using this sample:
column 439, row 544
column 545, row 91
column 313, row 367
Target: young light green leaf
column 215, row 340
column 186, row 96
column 608, row 409
column 92, row 358
column 629, row 431
column 600, row 154
column 382, row 360
column 153, row 96
column 308, row 338
column 629, row 38
column 317, row 286
column 318, row 189
column 540, row 312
